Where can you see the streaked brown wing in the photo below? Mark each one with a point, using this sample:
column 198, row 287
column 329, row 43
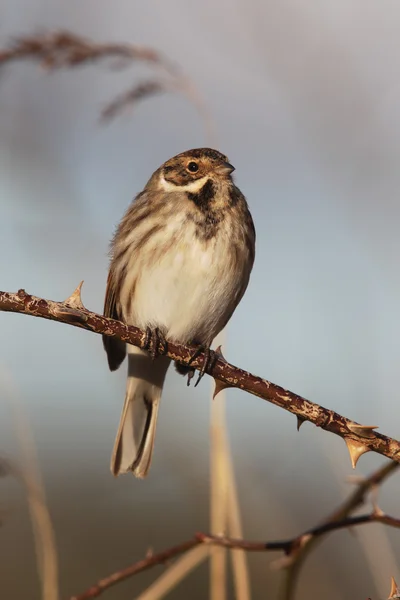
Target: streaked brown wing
column 250, row 240
column 115, row 349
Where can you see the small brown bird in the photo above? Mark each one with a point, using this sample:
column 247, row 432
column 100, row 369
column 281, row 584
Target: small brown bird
column 181, row 259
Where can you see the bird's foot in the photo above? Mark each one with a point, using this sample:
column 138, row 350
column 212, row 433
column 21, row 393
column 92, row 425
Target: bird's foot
column 155, row 342
column 210, row 357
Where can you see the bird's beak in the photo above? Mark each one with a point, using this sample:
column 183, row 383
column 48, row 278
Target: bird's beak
column 224, row 168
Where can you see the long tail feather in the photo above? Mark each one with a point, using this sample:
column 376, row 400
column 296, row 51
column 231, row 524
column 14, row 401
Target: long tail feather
column 134, row 443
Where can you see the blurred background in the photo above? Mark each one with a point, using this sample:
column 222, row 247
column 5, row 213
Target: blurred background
column 305, row 101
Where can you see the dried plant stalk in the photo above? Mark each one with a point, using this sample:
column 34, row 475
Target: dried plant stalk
column 30, row 476
column 66, row 50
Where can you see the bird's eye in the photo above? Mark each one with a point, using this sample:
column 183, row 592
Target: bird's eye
column 193, row 167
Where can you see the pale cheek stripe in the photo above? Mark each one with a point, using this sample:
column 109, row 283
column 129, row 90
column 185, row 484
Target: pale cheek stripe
column 194, row 186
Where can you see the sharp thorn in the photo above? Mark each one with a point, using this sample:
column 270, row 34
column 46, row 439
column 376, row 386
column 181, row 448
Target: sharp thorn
column 75, row 300
column 378, row 512
column 394, row 590
column 218, row 351
column 366, row 431
column 304, row 539
column 356, row 449
column 219, row 386
column 300, row 422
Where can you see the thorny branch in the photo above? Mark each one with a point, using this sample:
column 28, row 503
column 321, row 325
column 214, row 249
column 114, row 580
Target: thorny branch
column 359, row 438
column 63, row 49
column 294, row 562
column 292, row 548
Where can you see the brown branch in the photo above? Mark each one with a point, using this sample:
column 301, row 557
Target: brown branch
column 138, row 567
column 292, row 548
column 359, row 438
column 354, row 501
column 287, row 546
column 73, row 312
column 63, row 49
column 357, row 498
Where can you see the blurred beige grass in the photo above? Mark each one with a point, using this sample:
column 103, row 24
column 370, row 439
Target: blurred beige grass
column 224, row 510
column 29, row 473
column 224, row 519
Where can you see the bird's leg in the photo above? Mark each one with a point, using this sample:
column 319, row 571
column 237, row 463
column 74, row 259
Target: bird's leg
column 210, row 357
column 153, row 340
column 147, row 339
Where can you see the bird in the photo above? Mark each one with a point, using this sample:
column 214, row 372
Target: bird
column 181, row 259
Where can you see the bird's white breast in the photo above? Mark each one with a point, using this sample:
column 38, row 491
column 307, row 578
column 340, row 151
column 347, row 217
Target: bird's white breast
column 189, row 288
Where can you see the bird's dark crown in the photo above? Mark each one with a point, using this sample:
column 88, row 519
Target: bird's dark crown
column 209, row 153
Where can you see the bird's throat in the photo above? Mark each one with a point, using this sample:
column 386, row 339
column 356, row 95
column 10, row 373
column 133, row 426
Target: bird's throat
column 204, row 197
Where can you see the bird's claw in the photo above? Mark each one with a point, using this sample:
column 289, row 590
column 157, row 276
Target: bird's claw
column 155, row 342
column 190, row 376
column 210, row 357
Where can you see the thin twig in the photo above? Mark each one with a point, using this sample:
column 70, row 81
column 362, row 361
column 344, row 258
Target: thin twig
column 359, row 438
column 141, row 565
column 354, row 501
column 375, row 544
column 287, row 546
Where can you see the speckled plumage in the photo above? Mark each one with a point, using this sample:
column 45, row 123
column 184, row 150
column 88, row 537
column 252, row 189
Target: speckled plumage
column 181, row 261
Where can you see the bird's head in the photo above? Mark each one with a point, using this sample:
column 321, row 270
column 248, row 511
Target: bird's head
column 190, row 170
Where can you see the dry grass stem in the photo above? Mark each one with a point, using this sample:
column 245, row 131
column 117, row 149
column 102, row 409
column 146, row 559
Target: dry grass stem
column 219, row 493
column 239, row 559
column 30, row 476
column 175, row 574
column 225, row 513
column 65, row 50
